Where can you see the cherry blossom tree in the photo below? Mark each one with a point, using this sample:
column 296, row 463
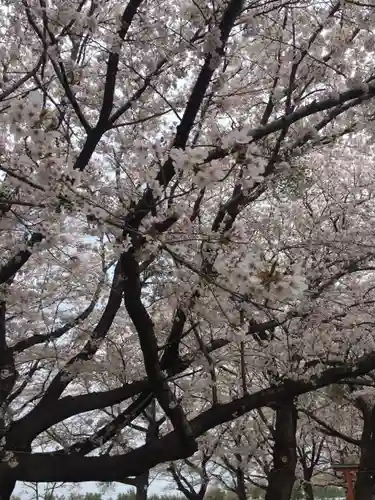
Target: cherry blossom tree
column 348, row 429
column 186, row 222
column 192, row 479
column 243, row 458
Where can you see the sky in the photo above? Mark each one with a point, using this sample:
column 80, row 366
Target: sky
column 26, row 492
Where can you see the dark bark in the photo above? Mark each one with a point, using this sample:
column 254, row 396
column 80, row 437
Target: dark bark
column 6, row 488
column 108, row 431
column 365, row 483
column 328, row 430
column 196, row 98
column 240, row 484
column 186, row 488
column 94, row 135
column 141, row 490
column 308, row 467
column 38, row 338
column 51, row 409
column 63, row 378
column 42, row 418
column 350, row 97
column 308, row 490
column 45, row 467
column 143, row 481
column 171, row 356
column 113, row 61
column 147, row 339
column 200, row 88
column 282, row 476
column 8, row 373
column 27, row 428
column 309, row 456
column 8, row 271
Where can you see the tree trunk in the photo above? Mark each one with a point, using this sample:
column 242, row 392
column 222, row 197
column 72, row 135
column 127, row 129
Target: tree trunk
column 142, row 487
column 282, row 476
column 365, row 484
column 6, row 488
column 308, row 490
column 240, row 486
column 142, row 484
column 7, row 484
column 8, row 376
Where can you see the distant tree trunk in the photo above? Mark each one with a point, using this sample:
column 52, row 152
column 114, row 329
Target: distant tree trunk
column 240, row 484
column 365, row 483
column 282, row 476
column 141, row 491
column 142, row 483
column 308, row 489
column 186, row 488
column 307, row 476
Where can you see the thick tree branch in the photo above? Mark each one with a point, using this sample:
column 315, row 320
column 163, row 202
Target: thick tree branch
column 110, row 430
column 21, row 81
column 43, row 418
column 68, row 406
column 148, row 343
column 166, row 173
column 64, row 377
column 329, row 430
column 113, row 61
column 171, row 359
column 8, row 373
column 310, row 109
column 58, row 67
column 94, row 135
column 8, row 271
column 46, row 467
column 55, row 334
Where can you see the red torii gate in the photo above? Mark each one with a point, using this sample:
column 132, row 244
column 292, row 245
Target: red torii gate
column 349, row 471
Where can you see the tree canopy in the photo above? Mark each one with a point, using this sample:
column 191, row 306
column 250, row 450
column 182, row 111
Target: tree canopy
column 187, row 242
